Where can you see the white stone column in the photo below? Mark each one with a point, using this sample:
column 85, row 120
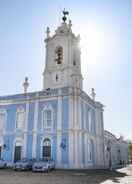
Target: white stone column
column 86, row 149
column 85, row 113
column 71, row 136
column 76, row 150
column 79, row 112
column 36, row 108
column 59, row 130
column 26, row 130
column 80, row 149
column 76, row 120
column 71, row 111
column 71, row 150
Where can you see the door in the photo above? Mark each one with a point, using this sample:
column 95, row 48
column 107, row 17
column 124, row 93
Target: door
column 0, row 151
column 17, row 154
column 46, row 149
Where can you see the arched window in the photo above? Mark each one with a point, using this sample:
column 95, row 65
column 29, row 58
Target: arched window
column 20, row 118
column 47, row 118
column 90, row 120
column 59, row 55
column 46, row 151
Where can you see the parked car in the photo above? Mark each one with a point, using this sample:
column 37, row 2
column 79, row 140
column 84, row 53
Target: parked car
column 23, row 165
column 3, row 164
column 41, row 166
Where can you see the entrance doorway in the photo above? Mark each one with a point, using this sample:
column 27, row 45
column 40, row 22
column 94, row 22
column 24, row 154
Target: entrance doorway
column 46, row 154
column 0, row 151
column 17, row 153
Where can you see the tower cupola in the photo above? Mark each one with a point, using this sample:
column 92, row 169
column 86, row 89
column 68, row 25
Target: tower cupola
column 63, row 65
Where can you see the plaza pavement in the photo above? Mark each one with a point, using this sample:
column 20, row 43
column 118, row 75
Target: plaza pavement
column 123, row 176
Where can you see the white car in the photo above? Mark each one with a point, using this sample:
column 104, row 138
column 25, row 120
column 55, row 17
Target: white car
column 23, row 165
column 41, row 166
column 3, row 164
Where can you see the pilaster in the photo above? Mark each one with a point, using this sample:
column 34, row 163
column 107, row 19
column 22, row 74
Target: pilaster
column 59, row 130
column 36, row 108
column 26, row 130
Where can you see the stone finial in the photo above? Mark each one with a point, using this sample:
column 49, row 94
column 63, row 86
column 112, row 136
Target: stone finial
column 93, row 94
column 70, row 24
column 26, row 84
column 48, row 32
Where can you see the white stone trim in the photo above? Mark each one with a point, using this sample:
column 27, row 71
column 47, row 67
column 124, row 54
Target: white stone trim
column 84, row 110
column 79, row 112
column 71, row 112
column 71, row 150
column 59, row 151
column 59, row 131
column 47, row 107
column 59, row 114
column 26, row 129
column 86, row 148
column 41, row 99
column 75, row 101
column 71, row 135
column 76, row 150
column 80, row 149
column 84, row 101
column 34, row 143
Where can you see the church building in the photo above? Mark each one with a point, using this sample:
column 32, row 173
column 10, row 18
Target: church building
column 60, row 122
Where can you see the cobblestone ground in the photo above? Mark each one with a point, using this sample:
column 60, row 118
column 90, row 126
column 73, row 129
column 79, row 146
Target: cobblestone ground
column 123, row 176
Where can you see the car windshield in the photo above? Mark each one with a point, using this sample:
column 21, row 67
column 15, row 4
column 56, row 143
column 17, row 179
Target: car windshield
column 41, row 161
column 23, row 160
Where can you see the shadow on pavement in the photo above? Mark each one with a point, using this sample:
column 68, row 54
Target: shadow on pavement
column 63, row 177
column 94, row 176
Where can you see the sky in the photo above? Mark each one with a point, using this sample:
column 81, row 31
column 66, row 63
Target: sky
column 105, row 27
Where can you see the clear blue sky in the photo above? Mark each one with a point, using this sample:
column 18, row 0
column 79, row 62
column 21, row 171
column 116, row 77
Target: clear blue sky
column 106, row 51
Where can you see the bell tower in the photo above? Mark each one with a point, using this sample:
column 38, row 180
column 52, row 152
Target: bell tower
column 62, row 62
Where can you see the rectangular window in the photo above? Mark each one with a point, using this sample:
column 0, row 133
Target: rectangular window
column 2, row 120
column 87, row 119
column 47, row 119
column 90, row 121
column 20, row 120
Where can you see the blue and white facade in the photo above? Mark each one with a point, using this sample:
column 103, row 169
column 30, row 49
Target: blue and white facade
column 60, row 122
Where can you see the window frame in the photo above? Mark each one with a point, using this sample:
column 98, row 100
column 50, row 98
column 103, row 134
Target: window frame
column 49, row 147
column 44, row 126
column 20, row 110
column 3, row 111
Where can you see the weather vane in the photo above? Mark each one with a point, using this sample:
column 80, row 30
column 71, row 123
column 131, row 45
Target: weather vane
column 64, row 18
